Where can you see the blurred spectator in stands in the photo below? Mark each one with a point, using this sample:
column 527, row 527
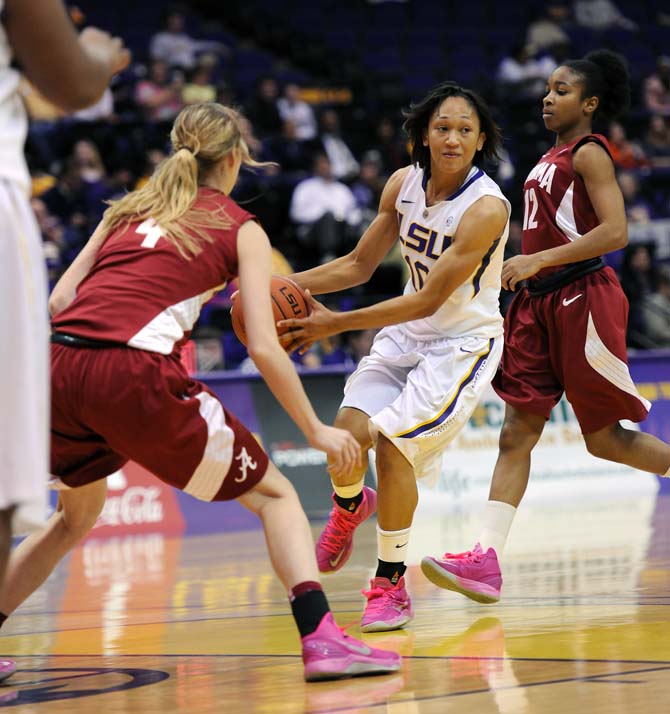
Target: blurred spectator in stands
column 638, row 209
column 325, row 213
column 66, row 199
column 656, row 310
column 293, row 155
column 549, row 29
column 175, row 47
column 521, row 76
column 89, row 162
column 344, row 165
column 44, row 144
column 262, row 110
column 657, row 88
column 52, row 240
column 199, row 88
column 626, row 154
column 159, row 94
column 601, row 15
column 657, row 142
column 347, row 349
column 152, row 158
column 367, row 188
column 292, row 108
column 639, row 279
column 391, row 147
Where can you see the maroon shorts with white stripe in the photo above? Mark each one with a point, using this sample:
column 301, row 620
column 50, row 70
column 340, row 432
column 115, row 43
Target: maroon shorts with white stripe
column 117, row 404
column 572, row 340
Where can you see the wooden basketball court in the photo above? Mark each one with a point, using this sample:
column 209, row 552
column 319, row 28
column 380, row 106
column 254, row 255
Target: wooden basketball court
column 200, row 624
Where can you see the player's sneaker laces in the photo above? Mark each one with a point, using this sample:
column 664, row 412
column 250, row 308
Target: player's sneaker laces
column 329, row 653
column 7, row 668
column 337, row 539
column 474, row 573
column 389, row 606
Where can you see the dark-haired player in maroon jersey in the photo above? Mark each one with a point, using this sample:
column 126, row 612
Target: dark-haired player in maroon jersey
column 565, row 330
column 119, row 391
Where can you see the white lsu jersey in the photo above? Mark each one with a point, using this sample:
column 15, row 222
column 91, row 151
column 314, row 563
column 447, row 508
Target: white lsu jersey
column 13, row 119
column 425, row 232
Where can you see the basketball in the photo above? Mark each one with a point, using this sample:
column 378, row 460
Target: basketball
column 288, row 301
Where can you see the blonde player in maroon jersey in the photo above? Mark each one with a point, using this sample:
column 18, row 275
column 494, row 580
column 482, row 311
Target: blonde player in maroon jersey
column 71, row 71
column 565, row 331
column 120, row 315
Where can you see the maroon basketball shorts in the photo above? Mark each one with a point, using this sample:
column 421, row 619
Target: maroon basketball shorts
column 116, row 404
column 572, row 340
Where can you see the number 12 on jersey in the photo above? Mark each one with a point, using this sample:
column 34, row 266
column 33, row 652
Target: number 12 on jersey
column 529, row 209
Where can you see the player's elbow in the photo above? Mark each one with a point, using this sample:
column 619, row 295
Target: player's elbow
column 57, row 303
column 620, row 237
column 262, row 349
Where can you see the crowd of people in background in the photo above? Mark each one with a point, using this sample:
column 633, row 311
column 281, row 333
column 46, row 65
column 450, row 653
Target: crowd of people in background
column 326, row 182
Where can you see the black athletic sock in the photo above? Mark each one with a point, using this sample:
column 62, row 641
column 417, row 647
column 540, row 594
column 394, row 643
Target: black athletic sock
column 349, row 504
column 309, row 605
column 392, row 571
column 3, row 617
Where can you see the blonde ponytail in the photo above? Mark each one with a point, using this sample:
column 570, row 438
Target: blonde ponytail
column 202, row 135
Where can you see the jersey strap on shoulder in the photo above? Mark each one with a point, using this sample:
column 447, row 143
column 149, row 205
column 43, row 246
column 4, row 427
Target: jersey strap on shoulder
column 592, row 139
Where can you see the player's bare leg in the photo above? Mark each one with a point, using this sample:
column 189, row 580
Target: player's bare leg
column 33, row 560
column 476, row 573
column 389, row 606
column 633, row 448
column 353, row 502
column 7, row 666
column 327, row 652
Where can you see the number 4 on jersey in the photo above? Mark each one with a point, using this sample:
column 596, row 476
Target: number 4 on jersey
column 151, row 230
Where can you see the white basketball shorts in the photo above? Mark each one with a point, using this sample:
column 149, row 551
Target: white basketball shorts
column 24, row 362
column 419, row 395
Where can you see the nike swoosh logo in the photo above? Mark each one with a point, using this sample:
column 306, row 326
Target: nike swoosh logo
column 334, row 561
column 468, row 351
column 567, row 302
column 360, row 649
column 404, row 200
column 402, row 546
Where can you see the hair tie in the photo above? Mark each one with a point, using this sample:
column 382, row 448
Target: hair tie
column 182, row 146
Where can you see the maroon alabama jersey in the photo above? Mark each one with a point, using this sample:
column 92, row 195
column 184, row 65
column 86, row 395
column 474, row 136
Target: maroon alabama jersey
column 557, row 209
column 143, row 293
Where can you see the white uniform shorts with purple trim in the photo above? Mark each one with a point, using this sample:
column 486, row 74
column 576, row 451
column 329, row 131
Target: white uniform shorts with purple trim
column 24, row 362
column 419, row 395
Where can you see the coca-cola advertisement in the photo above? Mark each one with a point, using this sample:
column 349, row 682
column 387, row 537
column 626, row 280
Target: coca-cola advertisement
column 138, row 502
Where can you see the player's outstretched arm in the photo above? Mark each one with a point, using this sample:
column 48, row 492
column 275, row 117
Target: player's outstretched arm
column 482, row 224
column 70, row 70
column 254, row 258
column 357, row 266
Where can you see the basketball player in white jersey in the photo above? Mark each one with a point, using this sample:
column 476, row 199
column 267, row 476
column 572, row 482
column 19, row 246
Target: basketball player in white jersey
column 71, row 71
column 441, row 341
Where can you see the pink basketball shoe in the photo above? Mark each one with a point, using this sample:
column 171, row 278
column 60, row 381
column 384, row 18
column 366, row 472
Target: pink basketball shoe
column 389, row 606
column 7, row 669
column 329, row 653
column 337, row 539
column 474, row 573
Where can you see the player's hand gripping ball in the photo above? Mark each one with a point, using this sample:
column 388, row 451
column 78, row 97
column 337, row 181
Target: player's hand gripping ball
column 288, row 300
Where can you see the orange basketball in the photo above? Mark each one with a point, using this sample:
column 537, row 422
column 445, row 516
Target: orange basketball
column 288, row 301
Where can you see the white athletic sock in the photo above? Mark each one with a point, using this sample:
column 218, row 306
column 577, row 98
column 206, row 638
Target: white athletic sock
column 498, row 519
column 349, row 491
column 392, row 545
